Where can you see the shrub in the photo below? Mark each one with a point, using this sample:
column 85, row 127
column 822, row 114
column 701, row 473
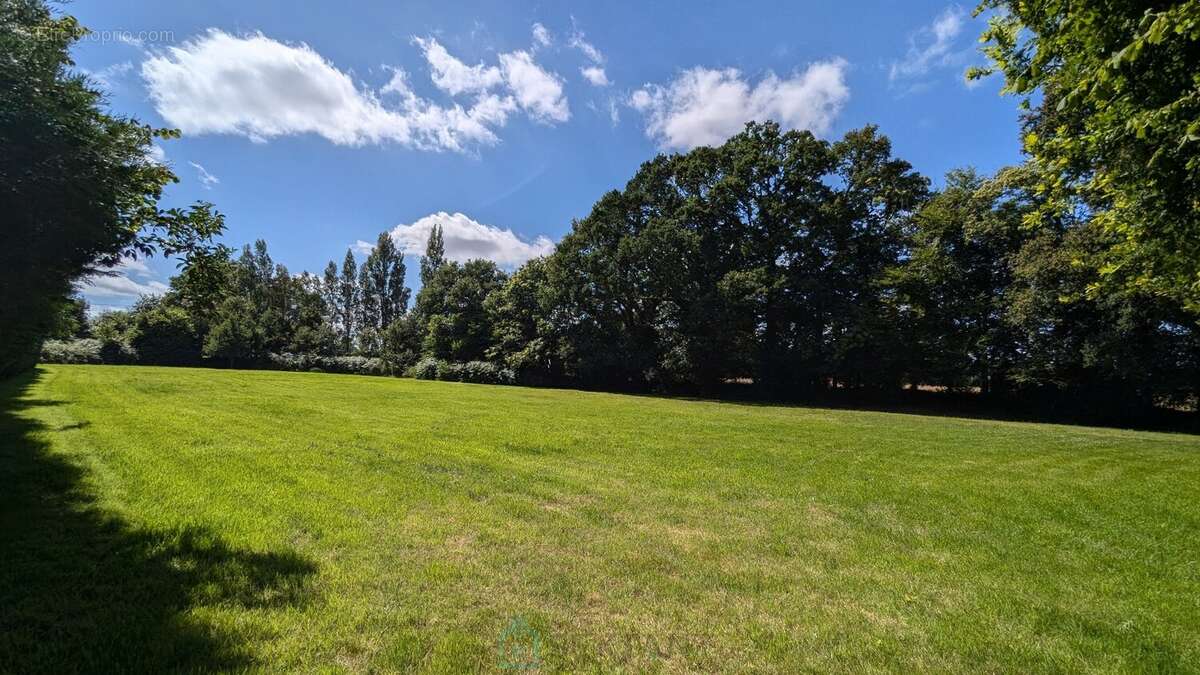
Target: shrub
column 484, row 372
column 165, row 336
column 360, row 365
column 478, row 372
column 86, row 350
column 402, row 343
column 400, row 362
column 425, row 369
column 117, row 351
column 354, row 365
column 449, row 372
column 236, row 335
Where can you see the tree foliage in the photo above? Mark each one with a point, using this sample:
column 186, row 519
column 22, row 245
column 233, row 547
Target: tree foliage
column 164, row 334
column 451, row 309
column 76, row 185
column 236, row 336
column 1113, row 88
column 757, row 259
column 435, row 254
column 526, row 333
column 951, row 288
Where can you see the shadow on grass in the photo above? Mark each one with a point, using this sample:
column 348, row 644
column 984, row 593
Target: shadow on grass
column 82, row 590
column 960, row 406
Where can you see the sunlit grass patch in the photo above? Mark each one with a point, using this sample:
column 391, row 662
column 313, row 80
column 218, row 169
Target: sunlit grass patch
column 221, row 519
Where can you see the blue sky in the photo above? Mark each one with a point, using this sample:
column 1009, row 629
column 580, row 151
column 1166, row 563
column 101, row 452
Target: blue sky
column 319, row 128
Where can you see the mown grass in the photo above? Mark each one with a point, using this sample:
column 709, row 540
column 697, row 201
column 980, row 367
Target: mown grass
column 195, row 519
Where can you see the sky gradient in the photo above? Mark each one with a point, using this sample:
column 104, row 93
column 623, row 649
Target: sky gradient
column 317, row 129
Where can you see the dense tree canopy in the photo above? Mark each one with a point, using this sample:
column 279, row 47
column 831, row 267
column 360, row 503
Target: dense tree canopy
column 77, row 189
column 758, row 259
column 779, row 261
column 1114, row 125
column 451, row 310
column 950, row 291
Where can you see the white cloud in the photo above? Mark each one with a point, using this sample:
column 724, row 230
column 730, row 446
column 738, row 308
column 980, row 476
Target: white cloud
column 539, row 92
column 492, row 109
column 127, row 38
column 595, row 75
column 129, row 280
column 466, row 239
column 705, row 107
column 155, row 154
column 135, row 267
column 398, row 84
column 261, row 88
column 206, row 179
column 611, row 109
column 541, row 36
column 932, row 46
column 452, row 75
column 109, row 76
column 578, row 41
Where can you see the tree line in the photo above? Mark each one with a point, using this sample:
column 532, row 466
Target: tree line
column 777, row 262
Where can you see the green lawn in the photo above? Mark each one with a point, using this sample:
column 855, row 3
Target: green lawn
column 198, row 519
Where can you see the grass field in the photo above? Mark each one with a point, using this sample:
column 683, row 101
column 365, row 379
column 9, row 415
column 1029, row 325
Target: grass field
column 193, row 519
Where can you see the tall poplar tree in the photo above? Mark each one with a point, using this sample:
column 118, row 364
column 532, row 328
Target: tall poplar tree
column 435, row 255
column 349, row 300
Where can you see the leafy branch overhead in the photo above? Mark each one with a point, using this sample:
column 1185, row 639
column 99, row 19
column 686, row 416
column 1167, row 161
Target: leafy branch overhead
column 77, row 187
column 1113, row 92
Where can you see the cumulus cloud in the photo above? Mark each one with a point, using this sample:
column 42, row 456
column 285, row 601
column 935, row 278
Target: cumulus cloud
column 466, row 238
column 541, row 36
column 932, row 46
column 595, row 75
column 261, row 88
column 522, row 82
column 452, row 75
column 206, row 179
column 705, row 107
column 127, row 281
column 539, row 92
